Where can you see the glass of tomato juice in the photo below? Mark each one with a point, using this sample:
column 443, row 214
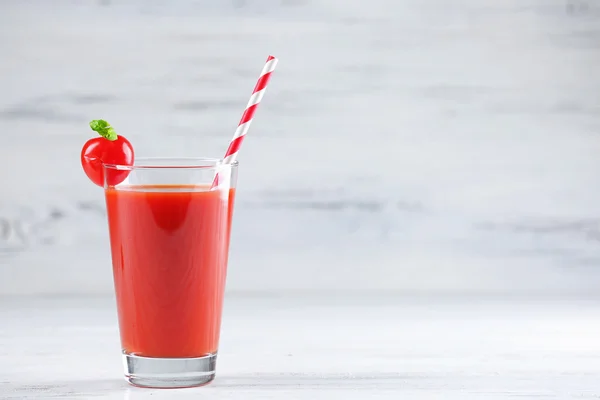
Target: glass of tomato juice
column 169, row 226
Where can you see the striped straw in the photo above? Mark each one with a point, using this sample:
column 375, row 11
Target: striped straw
column 247, row 117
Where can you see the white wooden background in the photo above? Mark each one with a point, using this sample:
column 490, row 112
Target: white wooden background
column 403, row 146
column 413, row 147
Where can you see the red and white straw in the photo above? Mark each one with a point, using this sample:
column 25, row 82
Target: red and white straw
column 247, row 117
column 244, row 125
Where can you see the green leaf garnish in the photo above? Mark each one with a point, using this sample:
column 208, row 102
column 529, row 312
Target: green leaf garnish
column 104, row 129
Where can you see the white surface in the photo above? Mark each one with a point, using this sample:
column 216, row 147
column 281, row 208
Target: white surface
column 317, row 347
column 430, row 145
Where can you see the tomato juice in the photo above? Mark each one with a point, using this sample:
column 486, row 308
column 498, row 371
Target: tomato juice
column 169, row 248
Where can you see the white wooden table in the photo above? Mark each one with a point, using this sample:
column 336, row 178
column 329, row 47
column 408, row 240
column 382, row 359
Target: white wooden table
column 314, row 347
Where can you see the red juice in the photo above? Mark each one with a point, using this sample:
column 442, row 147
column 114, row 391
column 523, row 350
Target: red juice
column 169, row 248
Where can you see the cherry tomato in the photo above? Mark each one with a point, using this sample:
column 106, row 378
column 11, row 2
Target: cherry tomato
column 99, row 151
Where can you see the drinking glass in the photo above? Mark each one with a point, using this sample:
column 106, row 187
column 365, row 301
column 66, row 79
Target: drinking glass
column 169, row 227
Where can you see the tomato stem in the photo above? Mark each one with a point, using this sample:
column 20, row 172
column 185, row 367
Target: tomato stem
column 104, row 129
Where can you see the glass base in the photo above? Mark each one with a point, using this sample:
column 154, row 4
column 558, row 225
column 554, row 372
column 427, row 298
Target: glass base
column 169, row 372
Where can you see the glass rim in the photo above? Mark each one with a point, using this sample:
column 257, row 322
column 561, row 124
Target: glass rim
column 173, row 163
